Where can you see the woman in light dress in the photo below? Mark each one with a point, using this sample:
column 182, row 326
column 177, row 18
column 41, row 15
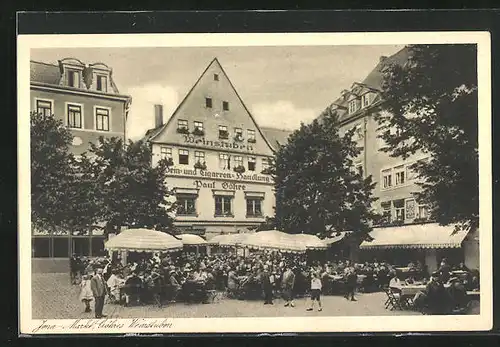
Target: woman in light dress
column 86, row 295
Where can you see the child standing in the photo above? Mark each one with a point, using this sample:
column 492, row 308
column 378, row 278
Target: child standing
column 316, row 286
column 86, row 295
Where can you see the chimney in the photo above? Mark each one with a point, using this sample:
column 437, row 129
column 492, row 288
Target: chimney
column 158, row 115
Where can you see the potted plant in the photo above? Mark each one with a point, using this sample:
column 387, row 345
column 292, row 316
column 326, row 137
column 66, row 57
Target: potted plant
column 184, row 131
column 198, row 131
column 238, row 138
column 200, row 166
column 239, row 169
column 223, row 134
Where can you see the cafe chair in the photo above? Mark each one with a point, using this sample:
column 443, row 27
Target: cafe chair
column 393, row 299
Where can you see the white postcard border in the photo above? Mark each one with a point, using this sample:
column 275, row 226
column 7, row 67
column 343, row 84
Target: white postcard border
column 484, row 321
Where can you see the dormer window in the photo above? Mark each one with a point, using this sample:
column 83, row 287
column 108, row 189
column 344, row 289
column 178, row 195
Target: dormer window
column 73, row 78
column 102, row 83
column 365, row 100
column 353, row 106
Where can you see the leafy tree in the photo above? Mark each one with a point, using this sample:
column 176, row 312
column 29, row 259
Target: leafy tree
column 432, row 107
column 126, row 188
column 316, row 185
column 54, row 184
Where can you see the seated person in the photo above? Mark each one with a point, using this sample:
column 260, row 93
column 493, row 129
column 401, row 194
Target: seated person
column 114, row 284
column 461, row 267
column 132, row 288
column 457, row 292
column 444, row 270
column 395, row 280
column 438, row 299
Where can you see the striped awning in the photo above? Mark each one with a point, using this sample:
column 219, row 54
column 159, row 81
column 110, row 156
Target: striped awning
column 192, row 240
column 430, row 235
column 144, row 240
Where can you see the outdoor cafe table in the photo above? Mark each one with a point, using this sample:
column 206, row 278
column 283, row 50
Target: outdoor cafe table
column 411, row 289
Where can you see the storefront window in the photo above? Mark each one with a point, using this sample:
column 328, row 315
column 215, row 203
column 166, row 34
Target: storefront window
column 223, row 206
column 98, row 246
column 254, row 207
column 41, row 247
column 81, row 246
column 61, row 247
column 186, row 205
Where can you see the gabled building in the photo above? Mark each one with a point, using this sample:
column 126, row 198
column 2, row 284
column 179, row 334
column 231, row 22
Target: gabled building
column 220, row 158
column 84, row 96
column 406, row 233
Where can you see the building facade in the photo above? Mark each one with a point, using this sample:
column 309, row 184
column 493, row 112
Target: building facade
column 396, row 183
column 220, row 158
column 85, row 98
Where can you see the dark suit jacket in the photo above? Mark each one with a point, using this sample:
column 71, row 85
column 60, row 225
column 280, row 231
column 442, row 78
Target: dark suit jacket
column 98, row 286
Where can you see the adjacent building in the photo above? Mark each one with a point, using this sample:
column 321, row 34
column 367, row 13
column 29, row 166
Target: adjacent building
column 86, row 99
column 406, row 232
column 220, row 158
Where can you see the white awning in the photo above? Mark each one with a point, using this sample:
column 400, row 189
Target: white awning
column 430, row 235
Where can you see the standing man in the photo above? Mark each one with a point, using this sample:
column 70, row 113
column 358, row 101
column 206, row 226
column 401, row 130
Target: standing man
column 288, row 283
column 351, row 281
column 267, row 286
column 98, row 286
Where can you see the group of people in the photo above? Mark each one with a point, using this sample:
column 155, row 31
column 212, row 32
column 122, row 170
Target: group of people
column 261, row 275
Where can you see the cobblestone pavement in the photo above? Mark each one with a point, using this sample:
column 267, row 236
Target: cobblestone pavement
column 54, row 298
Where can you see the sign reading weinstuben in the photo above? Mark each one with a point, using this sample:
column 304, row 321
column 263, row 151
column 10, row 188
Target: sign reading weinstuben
column 192, row 140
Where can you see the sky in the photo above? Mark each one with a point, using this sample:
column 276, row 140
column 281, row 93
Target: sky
column 282, row 86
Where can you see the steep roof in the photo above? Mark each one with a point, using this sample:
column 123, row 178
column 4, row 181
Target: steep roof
column 375, row 77
column 276, row 137
column 44, row 73
column 51, row 73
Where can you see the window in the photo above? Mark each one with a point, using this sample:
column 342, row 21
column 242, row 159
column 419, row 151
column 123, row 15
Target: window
column 182, row 124
column 386, row 179
column 399, row 210
column 186, row 205
column 386, row 211
column 73, row 78
column 365, row 100
column 199, row 157
column 208, row 102
column 224, row 161
column 254, row 207
column 223, row 205
column 102, row 119
column 198, row 126
column 225, row 105
column 166, row 152
column 238, row 161
column 251, row 164
column 353, row 106
column 223, row 134
column 251, row 135
column 44, row 107
column 216, row 77
column 74, row 113
column 422, row 212
column 102, row 83
column 399, row 175
column 265, row 164
column 183, row 157
column 410, row 208
column 238, row 134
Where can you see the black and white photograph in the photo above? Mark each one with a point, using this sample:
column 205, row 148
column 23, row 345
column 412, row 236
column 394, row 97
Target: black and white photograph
column 266, row 182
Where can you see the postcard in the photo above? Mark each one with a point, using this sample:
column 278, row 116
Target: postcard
column 255, row 183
